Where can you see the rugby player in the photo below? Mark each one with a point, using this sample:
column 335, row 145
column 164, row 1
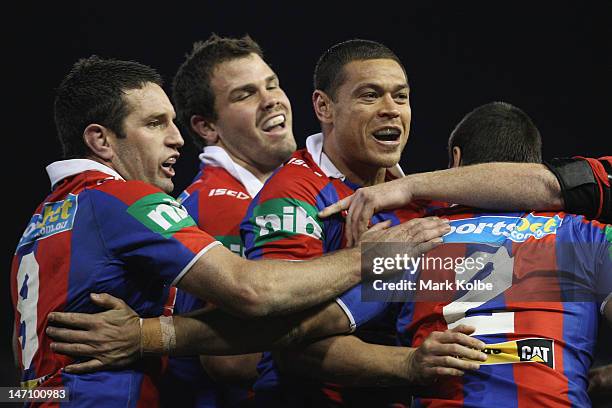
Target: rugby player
column 550, row 278
column 110, row 226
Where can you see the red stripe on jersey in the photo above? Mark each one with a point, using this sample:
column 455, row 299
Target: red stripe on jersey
column 194, row 238
column 220, row 214
column 294, row 249
column 537, row 319
column 128, row 191
column 149, row 395
column 52, row 296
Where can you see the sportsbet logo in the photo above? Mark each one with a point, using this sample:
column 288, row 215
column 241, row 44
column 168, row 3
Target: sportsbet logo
column 55, row 217
column 161, row 213
column 494, row 229
column 289, row 216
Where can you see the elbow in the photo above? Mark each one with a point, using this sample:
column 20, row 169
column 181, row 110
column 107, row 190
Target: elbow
column 250, row 302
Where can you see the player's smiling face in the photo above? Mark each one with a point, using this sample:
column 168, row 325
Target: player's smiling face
column 371, row 113
column 254, row 120
column 150, row 147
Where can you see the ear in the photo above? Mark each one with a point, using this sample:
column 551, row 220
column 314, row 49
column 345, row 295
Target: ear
column 96, row 138
column 323, row 106
column 456, row 157
column 206, row 129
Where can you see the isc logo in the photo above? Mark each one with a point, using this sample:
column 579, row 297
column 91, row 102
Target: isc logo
column 224, row 191
column 293, row 219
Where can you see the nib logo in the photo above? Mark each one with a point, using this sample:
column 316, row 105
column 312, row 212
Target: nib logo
column 288, row 216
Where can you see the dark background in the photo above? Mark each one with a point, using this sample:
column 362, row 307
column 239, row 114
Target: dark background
column 552, row 59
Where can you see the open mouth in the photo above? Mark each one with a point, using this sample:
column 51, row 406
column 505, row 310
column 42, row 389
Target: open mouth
column 168, row 166
column 389, row 134
column 274, row 123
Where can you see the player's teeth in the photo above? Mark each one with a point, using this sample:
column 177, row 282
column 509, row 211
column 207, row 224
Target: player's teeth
column 275, row 121
column 387, row 132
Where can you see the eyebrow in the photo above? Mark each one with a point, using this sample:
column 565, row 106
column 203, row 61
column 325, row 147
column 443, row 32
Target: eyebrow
column 379, row 88
column 158, row 116
column 251, row 86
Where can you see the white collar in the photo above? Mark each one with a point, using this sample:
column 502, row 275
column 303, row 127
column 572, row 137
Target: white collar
column 218, row 157
column 314, row 146
column 59, row 170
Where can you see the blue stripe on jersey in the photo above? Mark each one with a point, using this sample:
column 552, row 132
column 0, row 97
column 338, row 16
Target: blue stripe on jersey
column 480, row 391
column 248, row 233
column 190, row 202
column 333, row 226
column 87, row 248
column 580, row 320
column 101, row 389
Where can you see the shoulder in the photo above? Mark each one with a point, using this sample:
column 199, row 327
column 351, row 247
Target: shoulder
column 128, row 191
column 298, row 178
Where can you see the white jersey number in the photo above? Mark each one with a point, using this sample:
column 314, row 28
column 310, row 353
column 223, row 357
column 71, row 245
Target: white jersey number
column 27, row 304
column 501, row 278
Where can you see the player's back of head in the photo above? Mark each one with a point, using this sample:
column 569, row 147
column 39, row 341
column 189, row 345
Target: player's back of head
column 496, row 132
column 92, row 92
column 329, row 72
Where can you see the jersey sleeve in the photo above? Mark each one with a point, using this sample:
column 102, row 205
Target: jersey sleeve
column 585, row 248
column 282, row 221
column 147, row 230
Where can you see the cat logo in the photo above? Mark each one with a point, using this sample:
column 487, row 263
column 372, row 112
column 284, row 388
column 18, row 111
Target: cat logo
column 530, row 350
column 536, row 350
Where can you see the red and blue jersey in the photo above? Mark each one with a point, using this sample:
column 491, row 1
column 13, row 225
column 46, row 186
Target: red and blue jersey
column 282, row 223
column 98, row 233
column 550, row 273
column 534, row 289
column 217, row 200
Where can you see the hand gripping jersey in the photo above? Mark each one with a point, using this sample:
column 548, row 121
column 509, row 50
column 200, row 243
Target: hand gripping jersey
column 534, row 290
column 550, row 273
column 98, row 233
column 282, row 223
column 217, row 200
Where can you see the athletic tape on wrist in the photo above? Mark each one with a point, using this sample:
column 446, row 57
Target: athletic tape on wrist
column 141, row 340
column 168, row 334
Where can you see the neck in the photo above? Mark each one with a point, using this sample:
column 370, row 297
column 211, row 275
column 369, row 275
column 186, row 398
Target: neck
column 359, row 173
column 257, row 170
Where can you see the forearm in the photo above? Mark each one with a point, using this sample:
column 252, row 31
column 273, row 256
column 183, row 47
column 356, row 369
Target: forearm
column 240, row 370
column 501, row 186
column 270, row 287
column 218, row 333
column 348, row 361
column 608, row 311
column 301, row 285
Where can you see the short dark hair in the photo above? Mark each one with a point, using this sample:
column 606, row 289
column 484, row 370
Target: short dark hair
column 497, row 132
column 191, row 90
column 92, row 92
column 329, row 71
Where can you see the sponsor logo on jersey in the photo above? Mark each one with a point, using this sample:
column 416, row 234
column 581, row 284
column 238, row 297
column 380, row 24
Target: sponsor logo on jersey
column 161, row 214
column 530, row 350
column 302, row 163
column 55, row 217
column 232, row 242
column 225, row 191
column 496, row 229
column 287, row 216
